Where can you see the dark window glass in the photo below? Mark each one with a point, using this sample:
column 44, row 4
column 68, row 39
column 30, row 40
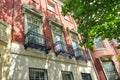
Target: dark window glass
column 67, row 75
column 86, row 76
column 37, row 74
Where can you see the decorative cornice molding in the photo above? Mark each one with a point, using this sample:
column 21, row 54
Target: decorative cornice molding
column 71, row 29
column 31, row 9
column 55, row 21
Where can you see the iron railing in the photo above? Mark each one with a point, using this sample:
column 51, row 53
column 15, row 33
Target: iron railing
column 37, row 41
column 63, row 49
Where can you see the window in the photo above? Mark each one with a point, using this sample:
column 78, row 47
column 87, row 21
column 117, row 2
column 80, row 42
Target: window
column 32, row 29
column 86, row 76
column 33, row 24
column 74, row 40
column 58, row 36
column 57, row 33
column 37, row 74
column 98, row 43
column 77, row 50
column 51, row 7
column 67, row 17
column 60, row 47
column 110, row 70
column 67, row 75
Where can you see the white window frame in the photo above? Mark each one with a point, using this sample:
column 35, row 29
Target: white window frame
column 29, row 10
column 39, row 70
column 26, row 23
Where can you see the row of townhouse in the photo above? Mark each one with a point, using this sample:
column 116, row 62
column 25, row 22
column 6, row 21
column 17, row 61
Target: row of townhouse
column 105, row 59
column 38, row 43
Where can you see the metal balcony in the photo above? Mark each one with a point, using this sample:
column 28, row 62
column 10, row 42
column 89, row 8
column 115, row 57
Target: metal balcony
column 80, row 54
column 63, row 49
column 37, row 41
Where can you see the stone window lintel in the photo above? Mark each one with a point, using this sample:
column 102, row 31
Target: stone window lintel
column 54, row 21
column 31, row 9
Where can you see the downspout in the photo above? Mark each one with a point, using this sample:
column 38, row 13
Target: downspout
column 11, row 35
column 12, row 25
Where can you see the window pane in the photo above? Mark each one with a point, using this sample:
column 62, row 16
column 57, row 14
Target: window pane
column 51, row 7
column 57, row 38
column 98, row 43
column 67, row 75
column 86, row 76
column 57, row 34
column 110, row 70
column 74, row 41
column 75, row 45
column 34, row 27
column 37, row 74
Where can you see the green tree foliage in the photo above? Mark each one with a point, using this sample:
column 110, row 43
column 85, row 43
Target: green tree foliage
column 95, row 18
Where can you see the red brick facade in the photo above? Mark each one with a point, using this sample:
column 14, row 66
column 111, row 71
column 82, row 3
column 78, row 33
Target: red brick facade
column 11, row 12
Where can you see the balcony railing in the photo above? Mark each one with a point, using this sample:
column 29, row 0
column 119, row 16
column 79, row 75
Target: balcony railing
column 81, row 54
column 63, row 49
column 37, row 41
